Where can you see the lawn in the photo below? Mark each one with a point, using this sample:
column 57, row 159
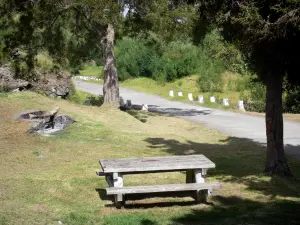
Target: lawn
column 185, row 85
column 92, row 71
column 49, row 179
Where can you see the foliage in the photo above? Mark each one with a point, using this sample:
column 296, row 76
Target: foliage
column 254, row 96
column 134, row 58
column 266, row 32
column 292, row 100
column 84, row 98
column 92, row 71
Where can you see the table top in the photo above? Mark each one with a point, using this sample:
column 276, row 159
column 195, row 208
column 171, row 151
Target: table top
column 162, row 163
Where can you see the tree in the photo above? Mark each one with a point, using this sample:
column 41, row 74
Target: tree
column 94, row 18
column 268, row 34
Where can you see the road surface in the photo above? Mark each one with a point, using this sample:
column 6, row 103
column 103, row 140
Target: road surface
column 230, row 123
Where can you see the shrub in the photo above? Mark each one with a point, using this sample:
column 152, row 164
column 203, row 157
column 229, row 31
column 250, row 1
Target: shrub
column 292, row 100
column 44, row 62
column 254, row 98
column 135, row 59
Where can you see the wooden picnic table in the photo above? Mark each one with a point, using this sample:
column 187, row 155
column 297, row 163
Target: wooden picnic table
column 194, row 165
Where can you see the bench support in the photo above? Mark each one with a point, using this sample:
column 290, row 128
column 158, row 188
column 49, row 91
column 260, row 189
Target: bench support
column 118, row 182
column 201, row 195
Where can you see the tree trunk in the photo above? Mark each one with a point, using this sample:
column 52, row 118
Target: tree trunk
column 276, row 161
column 111, row 84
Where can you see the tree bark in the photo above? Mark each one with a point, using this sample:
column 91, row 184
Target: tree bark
column 111, row 84
column 276, row 162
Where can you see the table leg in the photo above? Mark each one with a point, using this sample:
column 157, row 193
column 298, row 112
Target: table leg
column 118, row 182
column 200, row 178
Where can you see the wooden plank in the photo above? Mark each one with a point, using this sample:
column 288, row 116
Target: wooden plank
column 155, row 159
column 100, row 173
column 161, row 188
column 156, row 163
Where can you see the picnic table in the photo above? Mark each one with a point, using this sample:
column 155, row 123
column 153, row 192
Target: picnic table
column 195, row 166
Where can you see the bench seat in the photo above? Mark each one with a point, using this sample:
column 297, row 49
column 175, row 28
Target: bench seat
column 161, row 188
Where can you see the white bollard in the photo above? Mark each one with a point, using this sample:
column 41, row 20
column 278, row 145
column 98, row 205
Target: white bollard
column 180, row 94
column 145, row 108
column 241, row 105
column 212, row 99
column 190, row 97
column 200, row 99
column 171, row 93
column 225, row 102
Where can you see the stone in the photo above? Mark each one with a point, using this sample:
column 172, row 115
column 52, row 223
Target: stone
column 43, row 124
column 225, row 102
column 171, row 93
column 200, row 99
column 241, row 105
column 62, row 121
column 129, row 104
column 212, row 99
column 9, row 83
column 144, row 107
column 190, row 97
column 54, row 85
column 180, row 94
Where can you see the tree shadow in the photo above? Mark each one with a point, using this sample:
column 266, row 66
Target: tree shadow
column 238, row 161
column 236, row 210
column 178, row 111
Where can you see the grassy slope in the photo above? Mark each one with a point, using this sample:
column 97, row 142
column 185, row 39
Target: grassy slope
column 91, row 71
column 186, row 85
column 189, row 85
column 62, row 184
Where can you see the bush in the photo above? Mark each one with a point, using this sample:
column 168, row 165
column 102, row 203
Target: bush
column 135, row 59
column 84, row 98
column 180, row 59
column 210, row 75
column 139, row 57
column 44, row 63
column 94, row 100
column 255, row 97
column 292, row 100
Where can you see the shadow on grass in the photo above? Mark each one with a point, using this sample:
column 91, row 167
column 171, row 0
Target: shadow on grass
column 235, row 210
column 237, row 161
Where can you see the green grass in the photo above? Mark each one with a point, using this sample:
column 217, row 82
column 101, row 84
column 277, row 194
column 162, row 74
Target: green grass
column 62, row 185
column 186, row 85
column 92, row 71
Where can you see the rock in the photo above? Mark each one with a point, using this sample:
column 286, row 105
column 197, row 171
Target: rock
column 9, row 83
column 54, row 85
column 42, row 124
column 212, row 99
column 144, row 107
column 62, row 121
column 200, row 99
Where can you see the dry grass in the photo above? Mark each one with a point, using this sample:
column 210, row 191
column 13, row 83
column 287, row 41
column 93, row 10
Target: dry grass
column 62, row 184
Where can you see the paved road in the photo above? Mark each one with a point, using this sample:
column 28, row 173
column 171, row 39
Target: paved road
column 234, row 124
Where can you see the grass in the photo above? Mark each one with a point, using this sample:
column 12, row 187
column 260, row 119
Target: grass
column 92, row 71
column 62, row 185
column 186, row 85
column 287, row 116
column 189, row 85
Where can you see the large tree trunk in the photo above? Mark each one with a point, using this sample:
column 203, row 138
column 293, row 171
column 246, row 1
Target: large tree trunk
column 276, row 162
column 111, row 84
